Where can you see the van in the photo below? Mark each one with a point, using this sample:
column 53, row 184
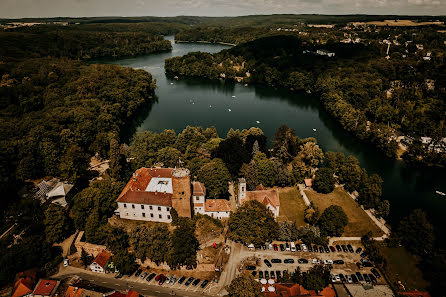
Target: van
column 293, row 247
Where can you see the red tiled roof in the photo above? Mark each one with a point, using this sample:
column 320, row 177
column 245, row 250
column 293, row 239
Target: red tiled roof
column 73, row 292
column 132, row 293
column 142, row 197
column 415, row 294
column 116, row 294
column 22, row 287
column 45, row 287
column 265, row 197
column 217, row 205
column 142, row 177
column 102, row 258
column 199, row 189
column 260, row 188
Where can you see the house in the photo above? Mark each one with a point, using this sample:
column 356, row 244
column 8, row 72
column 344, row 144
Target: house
column 100, row 262
column 45, row 288
column 308, row 182
column 269, row 198
column 58, row 193
column 296, row 290
column 24, row 283
column 217, row 208
column 130, row 293
column 73, row 291
column 198, row 197
column 152, row 192
column 322, row 52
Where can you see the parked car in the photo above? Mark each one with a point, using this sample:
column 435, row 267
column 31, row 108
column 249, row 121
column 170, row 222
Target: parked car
column 354, row 278
column 138, row 272
column 338, row 262
column 364, row 254
column 150, row 277
column 287, row 246
column 359, row 250
column 367, row 264
column 276, row 261
column 275, row 247
column 272, row 274
column 310, row 249
column 143, row 276
column 332, row 249
column 266, row 274
column 270, row 246
column 250, row 267
column 282, row 247
column 302, row 261
column 288, row 261
column 315, row 261
column 349, row 279
column 315, row 249
column 181, row 280
column 375, row 273
column 326, row 249
column 298, row 248
column 204, row 283
column 359, row 265
column 161, row 280
column 65, row 262
column 260, row 274
column 278, row 274
column 344, row 248
column 350, row 248
column 254, row 273
column 366, row 277
column 263, row 246
column 359, row 275
column 168, row 279
column 335, row 278
column 372, row 278
column 158, row 277
column 293, row 246
column 189, row 281
column 342, row 277
column 304, row 248
column 321, row 250
column 328, row 262
column 338, row 248
column 196, row 282
column 267, row 263
column 173, row 280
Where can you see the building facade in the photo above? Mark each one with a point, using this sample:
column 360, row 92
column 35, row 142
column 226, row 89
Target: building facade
column 269, row 198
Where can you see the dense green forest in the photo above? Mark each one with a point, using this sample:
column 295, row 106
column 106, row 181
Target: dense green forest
column 352, row 85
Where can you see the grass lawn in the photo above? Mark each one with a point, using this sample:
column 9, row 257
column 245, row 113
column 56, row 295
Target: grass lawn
column 292, row 206
column 402, row 266
column 359, row 222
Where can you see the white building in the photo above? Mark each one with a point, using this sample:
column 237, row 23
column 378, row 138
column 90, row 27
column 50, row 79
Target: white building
column 100, row 262
column 269, row 198
column 323, row 52
column 217, row 208
column 198, row 197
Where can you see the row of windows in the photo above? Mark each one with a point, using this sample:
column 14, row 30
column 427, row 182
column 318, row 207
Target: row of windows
column 150, row 207
column 151, row 215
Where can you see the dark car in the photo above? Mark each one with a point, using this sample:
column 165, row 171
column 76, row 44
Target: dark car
column 366, row 277
column 364, row 254
column 181, row 280
column 350, row 248
column 150, row 277
column 354, row 278
column 266, row 274
column 275, row 247
column 338, row 262
column 282, row 247
column 143, row 276
column 338, row 248
column 326, row 249
column 332, row 249
column 278, row 274
column 272, row 274
column 254, row 273
column 267, row 263
column 359, row 250
column 342, row 277
column 321, row 249
column 367, row 264
column 302, row 261
column 138, row 272
column 344, row 248
column 359, row 275
column 189, row 281
column 260, row 274
column 310, row 249
column 372, row 278
column 276, row 261
column 359, row 265
column 203, row 284
column 263, row 246
column 288, row 261
column 375, row 273
column 196, row 282
column 250, row 267
column 298, row 248
column 315, row 249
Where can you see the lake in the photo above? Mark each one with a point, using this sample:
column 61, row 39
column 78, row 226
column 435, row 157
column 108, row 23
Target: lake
column 202, row 102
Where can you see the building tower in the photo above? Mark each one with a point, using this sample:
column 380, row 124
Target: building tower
column 241, row 189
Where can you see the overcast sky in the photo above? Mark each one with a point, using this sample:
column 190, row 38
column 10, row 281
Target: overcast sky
column 74, row 8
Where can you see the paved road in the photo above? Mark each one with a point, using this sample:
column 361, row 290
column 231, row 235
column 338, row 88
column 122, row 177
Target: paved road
column 108, row 281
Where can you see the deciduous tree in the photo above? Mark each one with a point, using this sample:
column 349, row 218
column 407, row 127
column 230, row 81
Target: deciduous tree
column 333, row 221
column 245, row 286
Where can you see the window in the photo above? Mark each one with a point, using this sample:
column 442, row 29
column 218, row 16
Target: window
column 150, row 207
column 151, row 215
column 161, row 216
column 197, row 198
column 127, row 214
column 143, row 214
column 125, row 205
column 133, row 206
column 167, row 208
column 168, row 217
column 159, row 208
column 243, row 189
column 142, row 206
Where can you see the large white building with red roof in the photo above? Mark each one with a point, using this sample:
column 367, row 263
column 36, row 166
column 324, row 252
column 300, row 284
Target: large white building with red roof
column 152, row 192
column 269, row 198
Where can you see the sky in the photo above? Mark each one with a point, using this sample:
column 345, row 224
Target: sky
column 76, row 8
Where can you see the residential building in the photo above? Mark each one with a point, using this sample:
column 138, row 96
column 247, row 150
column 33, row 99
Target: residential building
column 217, row 208
column 269, row 198
column 323, row 52
column 24, row 284
column 198, row 197
column 73, row 291
column 45, row 288
column 295, row 290
column 152, row 192
column 100, row 262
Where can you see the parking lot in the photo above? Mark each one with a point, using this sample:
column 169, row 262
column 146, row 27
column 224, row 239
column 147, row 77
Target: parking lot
column 348, row 267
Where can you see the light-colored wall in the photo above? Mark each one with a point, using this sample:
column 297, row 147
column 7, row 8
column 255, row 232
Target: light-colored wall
column 137, row 213
column 218, row 214
column 241, row 191
column 200, row 200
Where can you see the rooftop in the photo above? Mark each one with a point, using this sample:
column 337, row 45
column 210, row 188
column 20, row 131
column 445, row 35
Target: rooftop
column 102, row 258
column 264, row 196
column 45, row 287
column 217, row 205
column 198, row 189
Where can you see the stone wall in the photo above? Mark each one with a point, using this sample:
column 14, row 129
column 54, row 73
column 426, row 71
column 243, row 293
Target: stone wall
column 89, row 248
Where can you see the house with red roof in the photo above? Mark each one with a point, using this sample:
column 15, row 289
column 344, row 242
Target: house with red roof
column 269, row 198
column 198, row 197
column 100, row 262
column 296, row 290
column 45, row 288
column 24, row 283
column 217, row 208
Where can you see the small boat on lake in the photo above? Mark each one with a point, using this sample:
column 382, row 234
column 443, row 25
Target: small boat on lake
column 440, row 193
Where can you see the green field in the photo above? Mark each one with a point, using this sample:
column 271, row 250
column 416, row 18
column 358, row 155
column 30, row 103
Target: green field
column 292, row 206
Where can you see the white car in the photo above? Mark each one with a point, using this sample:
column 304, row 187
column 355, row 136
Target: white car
column 270, row 246
column 304, row 248
column 349, row 279
column 293, row 247
column 65, row 262
column 328, row 262
column 335, row 278
column 316, row 261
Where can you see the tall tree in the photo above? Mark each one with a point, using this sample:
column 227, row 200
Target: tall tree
column 183, row 245
column 117, row 160
column 169, row 156
column 324, row 181
column 233, row 152
column 245, row 286
column 215, row 177
column 333, row 221
column 57, row 223
column 285, row 143
column 417, row 233
column 125, row 262
column 311, row 154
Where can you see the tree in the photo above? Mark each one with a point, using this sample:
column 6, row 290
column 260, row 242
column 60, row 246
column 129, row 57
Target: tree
column 312, row 214
column 255, row 148
column 285, row 143
column 416, row 233
column 317, row 278
column 94, row 231
column 125, row 262
column 245, row 286
column 383, row 209
column 334, row 160
column 252, row 223
column 183, row 245
column 215, row 177
column 370, row 191
column 169, row 156
column 350, row 174
column 324, row 181
column 311, row 154
column 57, row 223
column 74, row 164
column 116, row 239
column 191, row 136
column 233, row 152
column 86, row 259
column 158, row 243
column 117, row 160
column 333, row 221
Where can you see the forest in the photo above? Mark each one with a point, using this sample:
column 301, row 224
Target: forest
column 352, row 85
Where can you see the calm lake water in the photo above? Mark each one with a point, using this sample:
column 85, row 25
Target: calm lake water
column 201, row 102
